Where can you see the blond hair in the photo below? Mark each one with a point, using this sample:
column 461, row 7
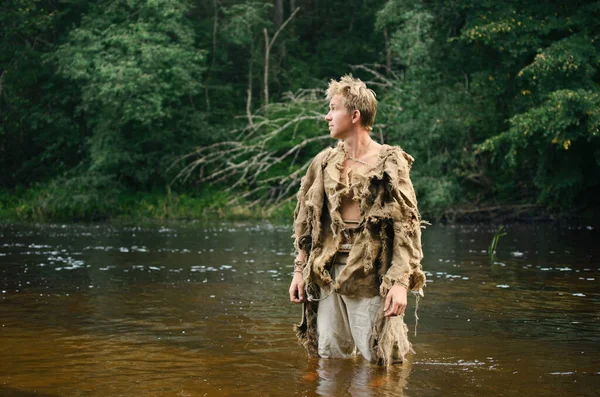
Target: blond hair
column 355, row 96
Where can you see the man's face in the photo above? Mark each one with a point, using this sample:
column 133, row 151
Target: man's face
column 338, row 118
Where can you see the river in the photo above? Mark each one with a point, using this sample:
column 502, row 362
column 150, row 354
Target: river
column 199, row 309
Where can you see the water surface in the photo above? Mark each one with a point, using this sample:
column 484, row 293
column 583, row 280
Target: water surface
column 202, row 310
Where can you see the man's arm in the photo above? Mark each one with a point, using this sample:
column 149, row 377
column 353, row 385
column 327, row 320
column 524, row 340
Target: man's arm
column 303, row 229
column 297, row 287
column 405, row 271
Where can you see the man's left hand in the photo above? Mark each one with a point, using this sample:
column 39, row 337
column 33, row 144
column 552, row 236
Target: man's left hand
column 395, row 301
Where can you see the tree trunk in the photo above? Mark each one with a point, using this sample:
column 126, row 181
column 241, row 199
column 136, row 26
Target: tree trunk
column 249, row 95
column 214, row 52
column 268, row 45
column 278, row 15
column 266, row 76
column 388, row 50
column 278, row 21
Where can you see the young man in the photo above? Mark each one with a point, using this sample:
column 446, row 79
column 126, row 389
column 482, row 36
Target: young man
column 357, row 237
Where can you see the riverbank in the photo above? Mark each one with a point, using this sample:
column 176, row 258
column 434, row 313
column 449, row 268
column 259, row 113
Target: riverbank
column 65, row 206
column 40, row 205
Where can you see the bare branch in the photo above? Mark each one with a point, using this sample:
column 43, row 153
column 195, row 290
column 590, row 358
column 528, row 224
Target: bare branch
column 382, row 80
column 268, row 46
column 248, row 160
column 292, row 15
column 266, row 75
column 249, row 96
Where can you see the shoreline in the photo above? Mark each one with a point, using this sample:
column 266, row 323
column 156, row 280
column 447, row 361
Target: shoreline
column 182, row 207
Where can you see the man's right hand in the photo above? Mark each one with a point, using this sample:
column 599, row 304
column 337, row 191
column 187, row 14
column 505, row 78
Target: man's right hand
column 297, row 288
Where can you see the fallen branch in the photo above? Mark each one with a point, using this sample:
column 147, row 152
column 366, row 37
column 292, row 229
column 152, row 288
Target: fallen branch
column 248, row 161
column 380, row 81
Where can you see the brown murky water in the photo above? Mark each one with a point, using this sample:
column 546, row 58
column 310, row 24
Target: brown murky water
column 202, row 310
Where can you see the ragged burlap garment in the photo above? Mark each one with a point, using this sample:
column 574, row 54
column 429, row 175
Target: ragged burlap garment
column 387, row 248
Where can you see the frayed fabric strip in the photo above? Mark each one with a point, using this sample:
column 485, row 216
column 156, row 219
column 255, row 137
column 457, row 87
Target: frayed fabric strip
column 417, row 298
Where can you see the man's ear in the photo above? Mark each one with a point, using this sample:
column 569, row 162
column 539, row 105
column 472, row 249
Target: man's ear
column 355, row 116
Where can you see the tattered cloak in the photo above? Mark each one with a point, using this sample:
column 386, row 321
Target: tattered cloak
column 386, row 249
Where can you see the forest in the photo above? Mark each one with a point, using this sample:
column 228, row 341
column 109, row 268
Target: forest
column 185, row 109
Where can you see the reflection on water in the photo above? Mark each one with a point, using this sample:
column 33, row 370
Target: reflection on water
column 202, row 310
column 357, row 378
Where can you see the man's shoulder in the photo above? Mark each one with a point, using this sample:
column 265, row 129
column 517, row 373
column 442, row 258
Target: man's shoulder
column 323, row 156
column 325, row 152
column 397, row 155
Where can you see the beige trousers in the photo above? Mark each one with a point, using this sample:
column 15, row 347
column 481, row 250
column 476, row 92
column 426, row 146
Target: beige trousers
column 344, row 323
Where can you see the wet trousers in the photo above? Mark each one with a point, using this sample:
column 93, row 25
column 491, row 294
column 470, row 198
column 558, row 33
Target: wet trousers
column 344, row 323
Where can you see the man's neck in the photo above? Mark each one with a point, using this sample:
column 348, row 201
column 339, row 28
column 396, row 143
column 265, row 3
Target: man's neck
column 357, row 145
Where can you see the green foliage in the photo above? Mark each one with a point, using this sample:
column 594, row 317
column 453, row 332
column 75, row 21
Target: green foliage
column 245, row 22
column 497, row 101
column 89, row 197
column 412, row 27
column 422, row 113
column 551, row 59
column 559, row 141
column 38, row 136
column 502, row 102
column 137, row 67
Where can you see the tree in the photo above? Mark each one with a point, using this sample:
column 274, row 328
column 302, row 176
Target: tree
column 499, row 99
column 139, row 73
column 38, row 136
